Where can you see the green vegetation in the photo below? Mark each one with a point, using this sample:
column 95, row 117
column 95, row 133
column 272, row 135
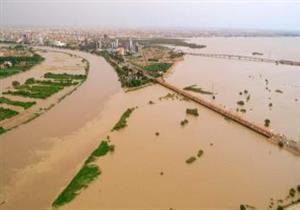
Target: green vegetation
column 35, row 91
column 200, row 153
column 127, row 76
column 43, row 89
column 280, row 144
column 241, row 103
column 190, row 160
column 65, row 76
column 192, row 112
column 157, row 69
column 184, row 122
column 196, row 89
column 169, row 96
column 84, row 177
column 7, row 113
column 169, row 41
column 267, row 122
column 248, row 98
column 122, row 123
column 101, row 150
column 2, row 130
column 15, row 83
column 292, row 192
column 242, row 207
column 25, row 105
column 243, row 110
column 19, row 64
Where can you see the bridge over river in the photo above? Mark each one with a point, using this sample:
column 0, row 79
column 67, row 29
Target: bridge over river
column 247, row 58
column 273, row 137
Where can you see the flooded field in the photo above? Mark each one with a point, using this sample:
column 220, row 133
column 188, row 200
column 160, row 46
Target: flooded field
column 273, row 90
column 29, row 163
column 148, row 170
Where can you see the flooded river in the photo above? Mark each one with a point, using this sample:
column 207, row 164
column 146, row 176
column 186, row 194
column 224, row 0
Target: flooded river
column 148, row 171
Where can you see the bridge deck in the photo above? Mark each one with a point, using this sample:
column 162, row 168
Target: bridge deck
column 257, row 128
column 247, row 58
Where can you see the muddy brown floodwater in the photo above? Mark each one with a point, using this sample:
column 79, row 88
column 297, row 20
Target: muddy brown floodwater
column 146, row 171
column 26, row 180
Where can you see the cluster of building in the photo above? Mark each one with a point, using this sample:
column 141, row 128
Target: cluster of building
column 119, row 46
column 74, row 39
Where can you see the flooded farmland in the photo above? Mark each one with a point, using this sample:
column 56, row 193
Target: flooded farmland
column 148, row 170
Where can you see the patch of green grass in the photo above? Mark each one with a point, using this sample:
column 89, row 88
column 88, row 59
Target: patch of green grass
column 25, row 105
column 65, row 76
column 155, row 69
column 241, row 103
column 2, row 130
column 122, row 123
column 190, row 160
column 7, row 113
column 200, row 153
column 35, row 91
column 101, row 150
column 9, row 71
column 19, row 64
column 88, row 173
column 196, row 89
column 64, row 83
column 158, row 67
column 192, row 112
column 169, row 41
column 184, row 122
column 267, row 122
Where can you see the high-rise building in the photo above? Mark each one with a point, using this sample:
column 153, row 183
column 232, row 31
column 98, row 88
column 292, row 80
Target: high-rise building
column 130, row 44
column 99, row 45
column 117, row 43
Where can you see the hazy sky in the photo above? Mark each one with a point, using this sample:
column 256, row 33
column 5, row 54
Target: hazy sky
column 282, row 15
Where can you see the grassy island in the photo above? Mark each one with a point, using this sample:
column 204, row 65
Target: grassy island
column 196, row 89
column 192, row 112
column 122, row 123
column 84, row 176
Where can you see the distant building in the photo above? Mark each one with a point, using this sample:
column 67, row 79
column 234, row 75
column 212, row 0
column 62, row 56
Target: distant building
column 41, row 40
column 130, row 45
column 59, row 43
column 117, row 43
column 99, row 45
column 137, row 47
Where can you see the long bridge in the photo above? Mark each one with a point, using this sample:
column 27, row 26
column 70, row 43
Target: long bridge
column 246, row 58
column 220, row 110
column 273, row 137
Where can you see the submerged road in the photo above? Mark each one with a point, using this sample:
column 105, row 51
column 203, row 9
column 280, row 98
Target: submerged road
column 23, row 184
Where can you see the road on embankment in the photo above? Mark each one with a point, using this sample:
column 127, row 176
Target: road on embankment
column 31, row 174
